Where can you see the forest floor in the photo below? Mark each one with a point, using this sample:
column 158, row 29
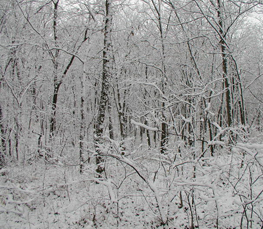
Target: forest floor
column 143, row 189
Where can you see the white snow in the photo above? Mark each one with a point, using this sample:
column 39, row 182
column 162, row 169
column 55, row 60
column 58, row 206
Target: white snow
column 144, row 126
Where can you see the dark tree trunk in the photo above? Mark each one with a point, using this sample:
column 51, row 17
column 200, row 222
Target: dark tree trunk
column 106, row 75
column 223, row 47
column 164, row 125
column 57, row 83
column 3, row 139
column 111, row 132
column 54, row 109
column 82, row 127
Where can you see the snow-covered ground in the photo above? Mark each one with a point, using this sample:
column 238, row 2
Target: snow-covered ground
column 141, row 190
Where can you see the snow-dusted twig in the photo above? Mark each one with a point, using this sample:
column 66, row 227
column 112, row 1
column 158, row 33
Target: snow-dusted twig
column 150, row 184
column 2, row 210
column 144, row 126
column 156, row 87
column 108, row 183
column 250, row 145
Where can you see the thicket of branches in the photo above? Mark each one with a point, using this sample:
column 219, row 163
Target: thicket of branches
column 155, row 103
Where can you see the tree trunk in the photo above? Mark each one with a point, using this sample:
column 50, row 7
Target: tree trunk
column 3, row 139
column 54, row 108
column 82, row 125
column 105, row 83
column 164, row 125
column 223, row 47
column 111, row 132
column 121, row 114
column 57, row 83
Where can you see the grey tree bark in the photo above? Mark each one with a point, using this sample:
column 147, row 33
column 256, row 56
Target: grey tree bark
column 105, row 83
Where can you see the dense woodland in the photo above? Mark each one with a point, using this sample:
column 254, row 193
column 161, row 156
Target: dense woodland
column 131, row 114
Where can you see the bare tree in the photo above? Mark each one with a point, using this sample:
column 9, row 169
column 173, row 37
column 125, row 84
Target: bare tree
column 58, row 80
column 105, row 84
column 226, row 16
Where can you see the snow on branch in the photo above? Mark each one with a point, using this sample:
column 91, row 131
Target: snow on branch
column 156, row 87
column 220, row 143
column 144, row 126
column 251, row 145
column 109, row 184
column 150, row 184
column 187, row 120
column 250, row 148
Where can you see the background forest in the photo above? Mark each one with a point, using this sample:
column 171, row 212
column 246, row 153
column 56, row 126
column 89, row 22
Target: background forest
column 131, row 114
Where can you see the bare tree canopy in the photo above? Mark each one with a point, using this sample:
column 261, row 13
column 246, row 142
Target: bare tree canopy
column 131, row 114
